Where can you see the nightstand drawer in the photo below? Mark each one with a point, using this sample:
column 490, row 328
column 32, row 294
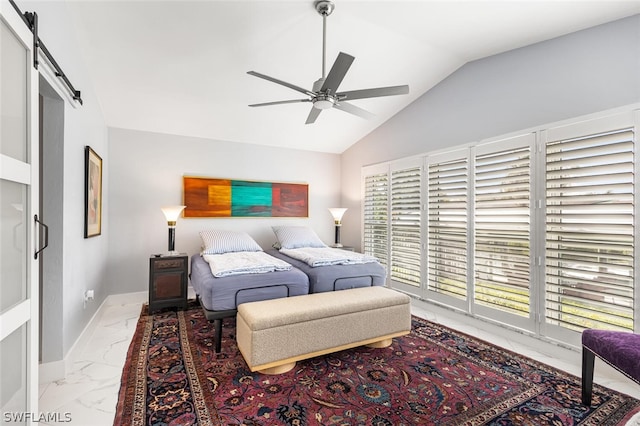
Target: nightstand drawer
column 169, row 264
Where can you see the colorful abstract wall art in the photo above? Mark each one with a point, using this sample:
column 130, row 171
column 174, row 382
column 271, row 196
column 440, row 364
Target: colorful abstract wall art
column 206, row 197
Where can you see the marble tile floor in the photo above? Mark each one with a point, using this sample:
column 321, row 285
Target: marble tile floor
column 89, row 391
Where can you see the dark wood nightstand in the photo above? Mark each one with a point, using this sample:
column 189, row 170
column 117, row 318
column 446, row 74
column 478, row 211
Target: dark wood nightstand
column 168, row 279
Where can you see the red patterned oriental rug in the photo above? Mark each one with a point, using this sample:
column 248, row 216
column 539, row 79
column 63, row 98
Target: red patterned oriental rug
column 433, row 376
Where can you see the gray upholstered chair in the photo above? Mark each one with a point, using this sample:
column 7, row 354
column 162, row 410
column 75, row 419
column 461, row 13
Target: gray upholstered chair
column 619, row 349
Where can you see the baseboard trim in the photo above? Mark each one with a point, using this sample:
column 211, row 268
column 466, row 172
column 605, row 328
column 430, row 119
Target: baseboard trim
column 124, row 298
column 56, row 370
column 111, row 300
column 51, row 371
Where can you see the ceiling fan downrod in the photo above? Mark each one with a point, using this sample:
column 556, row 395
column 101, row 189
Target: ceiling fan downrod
column 324, row 8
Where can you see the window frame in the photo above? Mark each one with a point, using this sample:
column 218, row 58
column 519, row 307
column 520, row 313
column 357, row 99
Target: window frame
column 406, row 164
column 498, row 146
column 580, row 128
column 367, row 171
column 463, row 154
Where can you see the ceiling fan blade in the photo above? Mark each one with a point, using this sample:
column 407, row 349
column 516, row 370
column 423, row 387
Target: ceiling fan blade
column 313, row 114
column 373, row 93
column 352, row 109
column 283, row 83
column 337, row 72
column 293, row 101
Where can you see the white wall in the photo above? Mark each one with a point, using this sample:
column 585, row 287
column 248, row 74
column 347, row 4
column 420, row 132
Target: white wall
column 83, row 260
column 52, row 213
column 145, row 173
column 577, row 74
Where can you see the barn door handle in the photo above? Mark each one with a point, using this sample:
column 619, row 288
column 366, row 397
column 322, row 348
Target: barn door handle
column 46, row 236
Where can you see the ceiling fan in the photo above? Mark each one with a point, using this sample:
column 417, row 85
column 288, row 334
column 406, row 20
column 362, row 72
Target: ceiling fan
column 324, row 93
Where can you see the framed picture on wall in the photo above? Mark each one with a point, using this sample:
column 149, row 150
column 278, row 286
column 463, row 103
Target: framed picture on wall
column 92, row 193
column 214, row 197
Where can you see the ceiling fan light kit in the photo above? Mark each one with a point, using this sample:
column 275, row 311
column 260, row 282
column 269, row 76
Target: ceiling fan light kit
column 324, row 102
column 324, row 94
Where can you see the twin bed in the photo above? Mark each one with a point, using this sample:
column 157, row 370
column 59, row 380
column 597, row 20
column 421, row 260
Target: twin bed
column 339, row 276
column 220, row 296
column 222, row 279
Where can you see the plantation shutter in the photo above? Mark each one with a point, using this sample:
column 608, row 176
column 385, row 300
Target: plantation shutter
column 405, row 225
column 447, row 229
column 590, row 231
column 502, row 230
column 376, row 216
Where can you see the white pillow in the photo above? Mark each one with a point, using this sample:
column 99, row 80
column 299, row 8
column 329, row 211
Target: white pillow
column 290, row 237
column 218, row 242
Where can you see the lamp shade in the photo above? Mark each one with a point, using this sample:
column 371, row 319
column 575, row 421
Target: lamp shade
column 337, row 213
column 172, row 212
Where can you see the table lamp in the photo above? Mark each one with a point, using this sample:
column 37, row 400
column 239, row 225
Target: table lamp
column 172, row 213
column 337, row 213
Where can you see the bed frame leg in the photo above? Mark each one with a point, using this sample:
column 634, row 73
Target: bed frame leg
column 217, row 324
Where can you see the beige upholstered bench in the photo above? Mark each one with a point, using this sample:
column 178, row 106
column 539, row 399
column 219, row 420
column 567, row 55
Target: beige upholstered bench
column 273, row 334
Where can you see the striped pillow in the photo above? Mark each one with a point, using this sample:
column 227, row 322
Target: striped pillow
column 218, row 242
column 290, row 237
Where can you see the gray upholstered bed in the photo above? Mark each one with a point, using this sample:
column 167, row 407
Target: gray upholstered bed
column 337, row 277
column 219, row 297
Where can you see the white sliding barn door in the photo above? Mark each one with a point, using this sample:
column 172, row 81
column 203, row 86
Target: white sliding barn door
column 18, row 204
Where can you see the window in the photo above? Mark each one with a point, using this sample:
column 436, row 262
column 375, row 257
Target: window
column 405, row 225
column 502, row 230
column 376, row 216
column 590, row 231
column 536, row 231
column 447, row 187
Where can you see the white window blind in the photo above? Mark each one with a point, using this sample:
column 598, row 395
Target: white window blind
column 376, row 216
column 405, row 225
column 447, row 228
column 502, row 228
column 590, row 231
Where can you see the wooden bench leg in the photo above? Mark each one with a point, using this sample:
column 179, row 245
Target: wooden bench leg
column 279, row 369
column 588, row 360
column 381, row 344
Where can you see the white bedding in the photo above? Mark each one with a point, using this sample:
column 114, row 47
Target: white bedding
column 316, row 256
column 244, row 262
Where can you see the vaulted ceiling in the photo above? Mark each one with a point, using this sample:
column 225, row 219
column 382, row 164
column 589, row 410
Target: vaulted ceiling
column 180, row 67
